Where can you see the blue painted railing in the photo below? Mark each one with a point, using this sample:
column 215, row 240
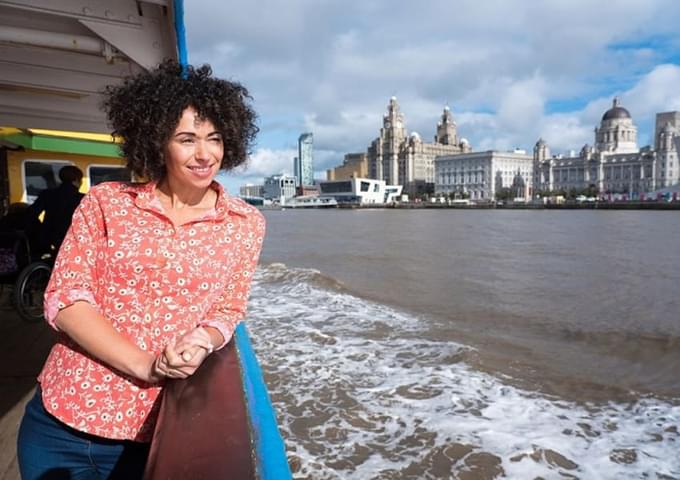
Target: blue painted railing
column 270, row 452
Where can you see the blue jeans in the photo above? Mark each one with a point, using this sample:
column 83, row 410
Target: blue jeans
column 49, row 450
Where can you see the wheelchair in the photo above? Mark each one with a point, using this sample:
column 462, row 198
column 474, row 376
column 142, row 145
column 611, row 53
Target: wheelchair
column 24, row 275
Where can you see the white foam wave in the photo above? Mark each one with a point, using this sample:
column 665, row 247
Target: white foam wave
column 361, row 395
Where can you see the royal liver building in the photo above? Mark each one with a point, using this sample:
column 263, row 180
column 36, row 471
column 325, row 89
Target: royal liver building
column 403, row 159
column 614, row 164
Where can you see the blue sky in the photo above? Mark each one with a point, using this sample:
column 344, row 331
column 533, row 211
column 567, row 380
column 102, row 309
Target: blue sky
column 510, row 70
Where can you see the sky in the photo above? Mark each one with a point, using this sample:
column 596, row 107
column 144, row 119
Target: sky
column 511, row 71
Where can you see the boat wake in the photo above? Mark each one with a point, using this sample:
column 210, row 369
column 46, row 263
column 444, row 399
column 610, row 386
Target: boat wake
column 361, row 395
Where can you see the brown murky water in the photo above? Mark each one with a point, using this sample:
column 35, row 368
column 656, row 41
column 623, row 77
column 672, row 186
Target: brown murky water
column 473, row 344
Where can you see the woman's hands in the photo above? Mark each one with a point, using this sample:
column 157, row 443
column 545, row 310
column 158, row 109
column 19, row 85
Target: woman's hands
column 181, row 359
column 99, row 338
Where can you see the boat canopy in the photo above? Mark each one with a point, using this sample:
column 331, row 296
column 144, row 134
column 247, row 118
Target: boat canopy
column 56, row 56
column 59, row 142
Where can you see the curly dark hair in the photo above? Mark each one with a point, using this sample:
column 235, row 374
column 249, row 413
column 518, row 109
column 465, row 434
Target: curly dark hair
column 145, row 110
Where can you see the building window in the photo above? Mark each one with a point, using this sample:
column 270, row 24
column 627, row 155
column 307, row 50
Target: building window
column 336, row 187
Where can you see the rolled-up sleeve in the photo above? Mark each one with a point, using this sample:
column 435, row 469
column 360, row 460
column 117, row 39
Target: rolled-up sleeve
column 230, row 306
column 74, row 275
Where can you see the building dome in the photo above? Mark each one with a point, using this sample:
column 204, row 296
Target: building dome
column 616, row 112
column 617, row 133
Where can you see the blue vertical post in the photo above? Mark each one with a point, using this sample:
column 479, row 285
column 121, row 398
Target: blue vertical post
column 180, row 33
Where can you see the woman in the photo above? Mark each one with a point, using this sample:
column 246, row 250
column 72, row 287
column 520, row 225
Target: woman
column 150, row 279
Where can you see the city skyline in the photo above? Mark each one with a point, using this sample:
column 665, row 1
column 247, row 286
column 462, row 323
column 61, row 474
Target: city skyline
column 521, row 72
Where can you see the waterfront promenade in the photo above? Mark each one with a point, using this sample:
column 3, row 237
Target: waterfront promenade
column 523, row 206
column 23, row 348
column 552, row 206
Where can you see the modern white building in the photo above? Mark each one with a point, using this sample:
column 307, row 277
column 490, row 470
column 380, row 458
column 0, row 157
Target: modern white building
column 481, row 174
column 360, row 191
column 279, row 187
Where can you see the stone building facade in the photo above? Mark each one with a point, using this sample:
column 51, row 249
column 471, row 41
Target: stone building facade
column 402, row 159
column 480, row 175
column 614, row 164
column 355, row 165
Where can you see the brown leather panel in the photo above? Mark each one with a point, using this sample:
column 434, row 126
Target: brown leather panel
column 202, row 430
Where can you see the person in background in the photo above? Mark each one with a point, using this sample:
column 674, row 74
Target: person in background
column 151, row 278
column 58, row 205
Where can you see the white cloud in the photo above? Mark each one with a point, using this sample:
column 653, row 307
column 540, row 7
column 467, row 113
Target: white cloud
column 330, row 67
column 265, row 161
column 521, row 107
column 658, row 91
column 564, row 132
column 655, row 92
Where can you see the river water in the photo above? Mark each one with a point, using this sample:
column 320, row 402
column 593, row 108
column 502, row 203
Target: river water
column 472, row 344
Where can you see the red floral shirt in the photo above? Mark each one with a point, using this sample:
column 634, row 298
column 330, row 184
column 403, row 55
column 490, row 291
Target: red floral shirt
column 154, row 281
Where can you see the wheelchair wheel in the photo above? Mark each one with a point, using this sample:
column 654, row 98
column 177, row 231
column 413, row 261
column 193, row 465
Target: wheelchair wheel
column 30, row 290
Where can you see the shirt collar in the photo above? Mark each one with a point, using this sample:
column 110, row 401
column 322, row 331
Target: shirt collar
column 145, row 198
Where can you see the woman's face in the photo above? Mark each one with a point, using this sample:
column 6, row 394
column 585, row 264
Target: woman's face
column 194, row 152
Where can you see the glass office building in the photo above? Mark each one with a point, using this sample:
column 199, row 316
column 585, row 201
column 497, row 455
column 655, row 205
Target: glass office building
column 304, row 167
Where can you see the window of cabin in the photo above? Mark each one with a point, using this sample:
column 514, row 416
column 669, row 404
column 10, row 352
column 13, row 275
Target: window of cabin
column 40, row 175
column 106, row 173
